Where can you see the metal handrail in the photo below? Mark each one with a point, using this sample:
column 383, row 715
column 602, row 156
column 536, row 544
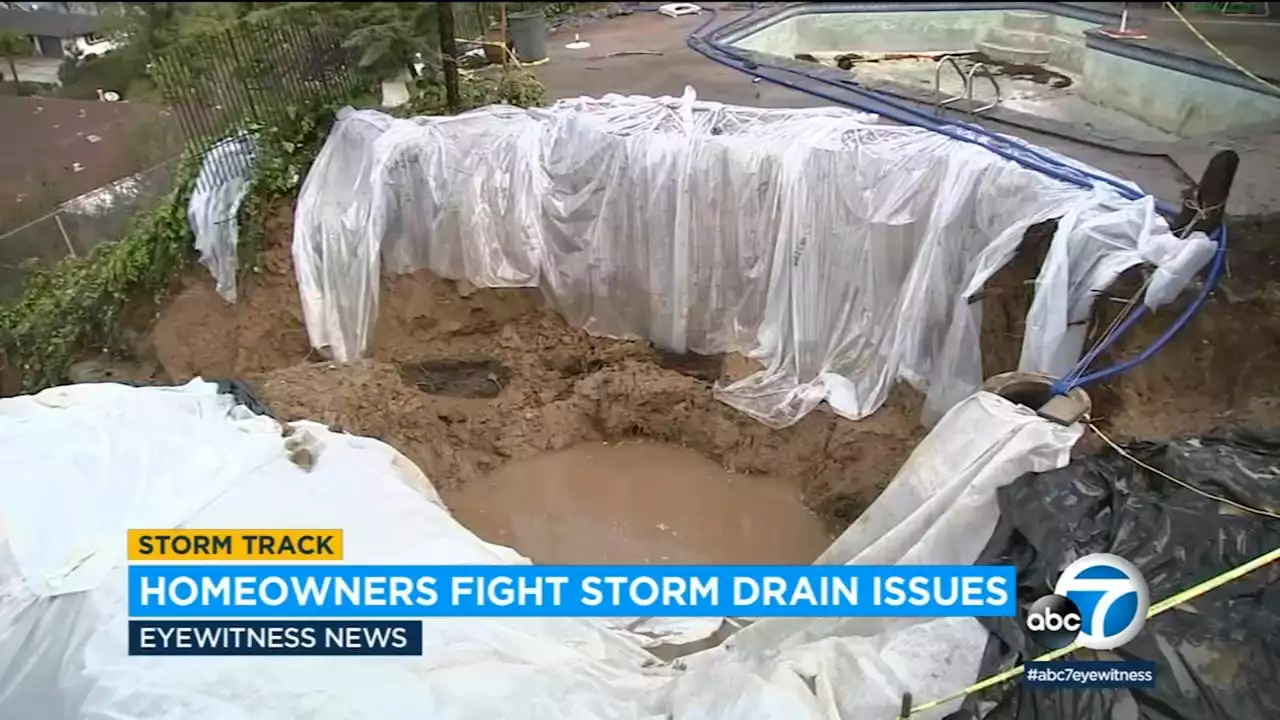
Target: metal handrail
column 967, row 79
column 939, row 103
column 968, row 82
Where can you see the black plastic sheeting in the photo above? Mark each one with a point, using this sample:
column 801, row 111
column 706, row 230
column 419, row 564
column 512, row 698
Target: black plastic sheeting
column 243, row 394
column 239, row 391
column 1217, row 656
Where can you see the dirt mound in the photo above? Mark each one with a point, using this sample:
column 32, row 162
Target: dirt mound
column 840, row 466
column 531, row 384
column 199, row 333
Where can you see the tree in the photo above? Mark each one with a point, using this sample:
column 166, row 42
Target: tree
column 146, row 28
column 449, row 50
column 13, row 45
column 388, row 38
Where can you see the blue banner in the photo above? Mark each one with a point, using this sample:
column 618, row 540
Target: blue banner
column 275, row 637
column 419, row 591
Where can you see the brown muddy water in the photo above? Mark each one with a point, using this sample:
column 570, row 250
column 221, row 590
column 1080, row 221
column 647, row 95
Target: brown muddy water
column 639, row 503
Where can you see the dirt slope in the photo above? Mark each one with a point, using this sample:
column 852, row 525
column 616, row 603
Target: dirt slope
column 554, row 386
column 559, row 387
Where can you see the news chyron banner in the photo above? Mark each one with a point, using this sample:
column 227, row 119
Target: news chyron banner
column 289, row 592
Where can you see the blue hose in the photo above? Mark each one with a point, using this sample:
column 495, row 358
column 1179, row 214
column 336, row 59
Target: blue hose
column 1025, row 155
column 1216, row 268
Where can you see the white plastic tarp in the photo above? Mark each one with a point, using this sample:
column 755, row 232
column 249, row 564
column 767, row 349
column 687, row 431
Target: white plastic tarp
column 214, row 209
column 840, row 252
column 88, row 462
column 940, row 508
column 85, row 463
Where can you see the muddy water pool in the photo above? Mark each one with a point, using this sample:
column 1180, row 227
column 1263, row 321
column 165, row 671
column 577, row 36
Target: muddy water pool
column 641, row 503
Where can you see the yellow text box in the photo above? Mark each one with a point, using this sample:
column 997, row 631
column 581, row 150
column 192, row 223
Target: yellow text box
column 234, row 545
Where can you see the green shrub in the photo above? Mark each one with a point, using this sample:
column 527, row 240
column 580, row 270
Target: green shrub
column 82, row 79
column 80, row 303
column 518, row 87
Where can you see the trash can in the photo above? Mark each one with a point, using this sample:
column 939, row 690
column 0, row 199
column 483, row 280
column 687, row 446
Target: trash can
column 528, row 35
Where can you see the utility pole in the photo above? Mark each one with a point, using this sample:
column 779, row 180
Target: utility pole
column 449, row 49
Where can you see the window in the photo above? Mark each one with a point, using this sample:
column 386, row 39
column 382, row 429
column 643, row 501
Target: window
column 92, row 38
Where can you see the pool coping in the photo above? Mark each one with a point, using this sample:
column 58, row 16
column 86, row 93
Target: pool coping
column 1095, row 40
column 1185, row 64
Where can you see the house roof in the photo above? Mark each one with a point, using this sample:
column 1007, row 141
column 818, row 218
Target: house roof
column 47, row 22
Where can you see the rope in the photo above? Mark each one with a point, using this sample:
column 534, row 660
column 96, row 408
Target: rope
column 1227, row 501
column 506, row 51
column 1107, row 336
column 1069, row 380
column 1164, row 605
column 1216, row 51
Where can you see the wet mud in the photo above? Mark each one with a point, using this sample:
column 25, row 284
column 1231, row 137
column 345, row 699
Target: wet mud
column 1039, row 74
column 639, row 503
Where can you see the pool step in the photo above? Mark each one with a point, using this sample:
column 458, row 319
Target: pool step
column 1028, row 20
column 1021, row 56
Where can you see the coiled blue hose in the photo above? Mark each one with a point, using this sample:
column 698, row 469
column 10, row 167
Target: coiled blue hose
column 1008, row 148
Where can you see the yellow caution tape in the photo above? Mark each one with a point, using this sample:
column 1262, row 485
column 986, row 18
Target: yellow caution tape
column 1166, row 604
column 1173, row 9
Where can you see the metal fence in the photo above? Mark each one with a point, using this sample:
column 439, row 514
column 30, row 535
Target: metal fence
column 256, row 73
column 81, row 224
column 253, row 74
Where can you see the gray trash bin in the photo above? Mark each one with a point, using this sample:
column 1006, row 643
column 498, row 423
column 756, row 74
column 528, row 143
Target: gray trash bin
column 528, row 35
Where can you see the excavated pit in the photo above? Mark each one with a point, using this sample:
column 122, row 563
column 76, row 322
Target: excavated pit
column 562, row 390
column 426, row 390
column 640, row 503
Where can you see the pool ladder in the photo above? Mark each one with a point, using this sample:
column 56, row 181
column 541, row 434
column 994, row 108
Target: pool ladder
column 966, row 77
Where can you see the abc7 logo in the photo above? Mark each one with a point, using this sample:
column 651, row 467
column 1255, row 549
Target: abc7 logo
column 1100, row 602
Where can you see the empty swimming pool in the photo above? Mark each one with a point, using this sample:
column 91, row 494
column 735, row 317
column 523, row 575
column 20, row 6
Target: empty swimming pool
column 1012, row 58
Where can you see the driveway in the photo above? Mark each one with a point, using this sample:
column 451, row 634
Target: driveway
column 37, row 70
